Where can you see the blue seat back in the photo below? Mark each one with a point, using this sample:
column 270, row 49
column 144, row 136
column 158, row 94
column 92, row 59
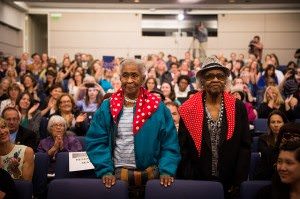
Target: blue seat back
column 82, row 141
column 86, row 189
column 62, row 168
column 24, row 189
column 255, row 158
column 249, row 189
column 186, row 189
column 39, row 180
column 254, row 144
column 260, row 126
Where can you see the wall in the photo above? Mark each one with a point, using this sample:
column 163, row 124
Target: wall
column 120, row 35
column 11, row 30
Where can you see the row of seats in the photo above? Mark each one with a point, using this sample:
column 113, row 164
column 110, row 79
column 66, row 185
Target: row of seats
column 62, row 167
column 62, row 170
column 93, row 188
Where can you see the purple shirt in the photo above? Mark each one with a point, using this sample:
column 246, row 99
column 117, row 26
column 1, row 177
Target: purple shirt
column 71, row 144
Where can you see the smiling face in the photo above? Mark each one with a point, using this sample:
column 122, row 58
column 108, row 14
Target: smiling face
column 65, row 104
column 150, row 84
column 4, row 132
column 56, row 92
column 131, row 80
column 25, row 102
column 28, row 83
column 214, row 81
column 12, row 119
column 166, row 89
column 58, row 128
column 288, row 167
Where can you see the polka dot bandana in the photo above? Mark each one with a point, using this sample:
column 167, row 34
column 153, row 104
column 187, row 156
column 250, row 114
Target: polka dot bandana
column 192, row 114
column 146, row 105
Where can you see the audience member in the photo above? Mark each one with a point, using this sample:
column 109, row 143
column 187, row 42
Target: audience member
column 290, row 129
column 17, row 160
column 174, row 112
column 286, row 180
column 58, row 141
column 18, row 134
column 266, row 145
column 13, row 93
column 133, row 133
column 214, row 132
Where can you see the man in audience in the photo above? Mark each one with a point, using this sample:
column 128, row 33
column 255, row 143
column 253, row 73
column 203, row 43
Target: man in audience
column 174, row 112
column 18, row 134
column 256, row 47
column 214, row 132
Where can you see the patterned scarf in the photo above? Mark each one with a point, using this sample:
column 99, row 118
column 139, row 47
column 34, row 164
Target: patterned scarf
column 192, row 114
column 146, row 105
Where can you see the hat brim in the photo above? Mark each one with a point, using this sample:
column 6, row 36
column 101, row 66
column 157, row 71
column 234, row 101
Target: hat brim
column 218, row 67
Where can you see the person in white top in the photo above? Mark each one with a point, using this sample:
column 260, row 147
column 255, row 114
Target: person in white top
column 17, row 160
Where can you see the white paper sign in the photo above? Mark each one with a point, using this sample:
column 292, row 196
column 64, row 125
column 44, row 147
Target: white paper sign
column 79, row 161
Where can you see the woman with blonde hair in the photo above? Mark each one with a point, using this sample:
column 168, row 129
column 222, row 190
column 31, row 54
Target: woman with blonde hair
column 272, row 101
column 17, row 160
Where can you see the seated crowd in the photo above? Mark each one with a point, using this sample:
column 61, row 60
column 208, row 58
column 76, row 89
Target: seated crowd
column 45, row 105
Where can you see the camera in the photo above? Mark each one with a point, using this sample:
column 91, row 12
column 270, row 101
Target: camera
column 291, row 71
column 90, row 85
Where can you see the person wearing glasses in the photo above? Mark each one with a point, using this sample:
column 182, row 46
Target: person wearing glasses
column 58, row 141
column 132, row 136
column 214, row 132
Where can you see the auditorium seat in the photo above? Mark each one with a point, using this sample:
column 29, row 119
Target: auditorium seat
column 24, row 189
column 184, row 189
column 81, row 188
column 254, row 144
column 39, row 180
column 255, row 157
column 260, row 126
column 249, row 189
column 82, row 141
column 62, row 168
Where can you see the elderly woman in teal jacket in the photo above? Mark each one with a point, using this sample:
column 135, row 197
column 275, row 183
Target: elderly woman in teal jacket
column 132, row 136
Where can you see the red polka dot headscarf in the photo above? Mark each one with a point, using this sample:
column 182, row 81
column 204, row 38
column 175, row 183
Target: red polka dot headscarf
column 192, row 114
column 146, row 105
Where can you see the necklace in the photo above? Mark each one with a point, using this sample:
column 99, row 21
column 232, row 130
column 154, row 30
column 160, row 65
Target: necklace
column 130, row 100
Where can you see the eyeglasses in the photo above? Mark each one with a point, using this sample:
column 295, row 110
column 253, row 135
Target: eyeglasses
column 211, row 76
column 58, row 125
column 65, row 102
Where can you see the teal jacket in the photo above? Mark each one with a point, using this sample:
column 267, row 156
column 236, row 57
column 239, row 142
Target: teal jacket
column 156, row 143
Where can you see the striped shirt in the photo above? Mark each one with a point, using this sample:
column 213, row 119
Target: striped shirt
column 124, row 150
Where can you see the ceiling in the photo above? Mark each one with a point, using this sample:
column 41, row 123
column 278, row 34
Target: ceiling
column 166, row 4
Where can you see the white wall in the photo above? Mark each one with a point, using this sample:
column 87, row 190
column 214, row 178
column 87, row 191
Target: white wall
column 11, row 34
column 120, row 34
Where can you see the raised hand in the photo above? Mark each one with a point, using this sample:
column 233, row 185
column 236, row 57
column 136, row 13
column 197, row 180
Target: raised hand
column 81, row 117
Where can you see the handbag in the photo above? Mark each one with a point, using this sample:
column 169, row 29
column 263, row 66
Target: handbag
column 136, row 177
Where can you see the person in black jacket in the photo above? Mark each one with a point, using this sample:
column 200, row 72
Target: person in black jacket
column 19, row 134
column 7, row 185
column 214, row 132
column 285, row 182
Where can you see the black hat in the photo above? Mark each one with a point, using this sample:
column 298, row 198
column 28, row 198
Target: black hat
column 212, row 63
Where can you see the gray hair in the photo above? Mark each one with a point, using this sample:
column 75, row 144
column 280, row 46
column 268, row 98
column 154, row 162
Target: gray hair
column 54, row 120
column 136, row 62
